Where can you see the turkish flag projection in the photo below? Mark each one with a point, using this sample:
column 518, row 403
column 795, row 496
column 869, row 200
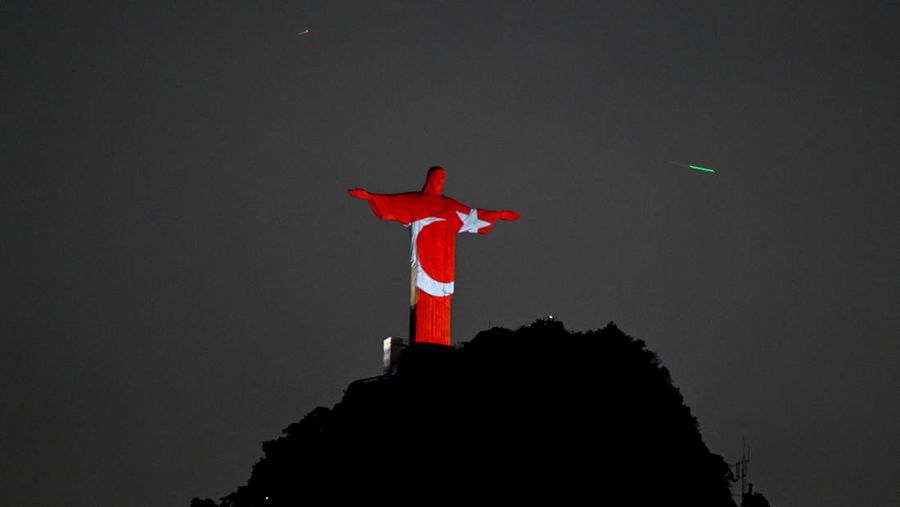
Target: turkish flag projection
column 434, row 220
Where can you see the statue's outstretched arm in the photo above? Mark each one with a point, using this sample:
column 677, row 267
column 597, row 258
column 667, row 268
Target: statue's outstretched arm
column 395, row 207
column 505, row 214
column 487, row 214
column 481, row 221
column 359, row 193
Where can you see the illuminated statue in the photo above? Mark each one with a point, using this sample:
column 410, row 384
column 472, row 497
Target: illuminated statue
column 434, row 220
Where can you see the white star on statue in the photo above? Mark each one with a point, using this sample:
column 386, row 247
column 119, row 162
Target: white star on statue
column 471, row 222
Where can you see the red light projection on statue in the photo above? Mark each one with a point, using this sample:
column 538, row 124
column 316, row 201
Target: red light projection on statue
column 434, row 221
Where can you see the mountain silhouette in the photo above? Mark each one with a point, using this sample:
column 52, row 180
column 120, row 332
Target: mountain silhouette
column 536, row 414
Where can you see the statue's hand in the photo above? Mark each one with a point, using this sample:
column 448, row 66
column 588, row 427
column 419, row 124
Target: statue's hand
column 358, row 193
column 508, row 215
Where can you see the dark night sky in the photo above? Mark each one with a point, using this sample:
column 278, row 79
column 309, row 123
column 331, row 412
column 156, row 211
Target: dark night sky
column 184, row 275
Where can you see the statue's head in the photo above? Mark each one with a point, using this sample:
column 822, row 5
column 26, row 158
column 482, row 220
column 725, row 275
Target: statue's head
column 434, row 183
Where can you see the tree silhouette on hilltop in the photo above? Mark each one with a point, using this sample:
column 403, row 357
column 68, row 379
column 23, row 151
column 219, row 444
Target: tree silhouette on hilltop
column 535, row 414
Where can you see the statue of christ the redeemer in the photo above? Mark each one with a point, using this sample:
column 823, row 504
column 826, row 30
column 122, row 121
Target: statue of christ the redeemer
column 434, row 220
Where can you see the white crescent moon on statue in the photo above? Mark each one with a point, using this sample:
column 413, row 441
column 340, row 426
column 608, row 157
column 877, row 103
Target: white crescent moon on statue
column 423, row 280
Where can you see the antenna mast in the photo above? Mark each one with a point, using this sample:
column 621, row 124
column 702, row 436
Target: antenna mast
column 742, row 470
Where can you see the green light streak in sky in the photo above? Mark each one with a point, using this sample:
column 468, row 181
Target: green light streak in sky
column 705, row 169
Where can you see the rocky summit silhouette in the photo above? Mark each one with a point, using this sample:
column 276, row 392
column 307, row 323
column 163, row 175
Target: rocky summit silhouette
column 538, row 414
